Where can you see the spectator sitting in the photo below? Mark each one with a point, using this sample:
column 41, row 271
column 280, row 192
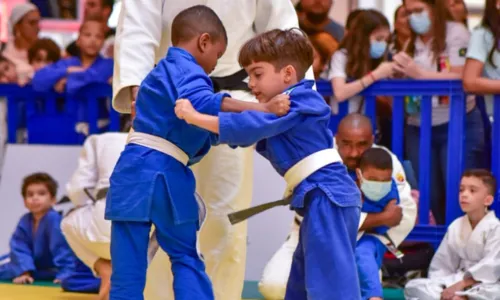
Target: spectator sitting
column 38, row 250
column 23, row 33
column 43, row 52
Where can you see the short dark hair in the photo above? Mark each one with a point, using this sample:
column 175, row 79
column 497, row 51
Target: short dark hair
column 377, row 158
column 279, row 48
column 195, row 21
column 485, row 176
column 108, row 3
column 53, row 51
column 96, row 19
column 40, row 178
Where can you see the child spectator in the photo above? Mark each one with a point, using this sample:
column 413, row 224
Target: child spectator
column 467, row 263
column 7, row 71
column 360, row 60
column 44, row 52
column 38, row 250
column 71, row 74
column 378, row 188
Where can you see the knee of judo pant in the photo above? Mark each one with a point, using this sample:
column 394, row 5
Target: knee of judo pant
column 272, row 290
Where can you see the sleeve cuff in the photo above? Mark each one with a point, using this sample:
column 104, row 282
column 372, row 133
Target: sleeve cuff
column 219, row 97
column 226, row 135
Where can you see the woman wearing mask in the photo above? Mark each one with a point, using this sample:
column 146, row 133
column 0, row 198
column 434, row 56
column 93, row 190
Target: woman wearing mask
column 482, row 68
column 436, row 50
column 361, row 59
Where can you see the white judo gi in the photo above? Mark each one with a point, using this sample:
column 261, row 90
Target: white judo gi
column 464, row 253
column 85, row 228
column 224, row 176
column 275, row 276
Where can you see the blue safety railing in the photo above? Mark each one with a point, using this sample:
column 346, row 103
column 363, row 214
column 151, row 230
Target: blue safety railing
column 398, row 89
column 50, row 122
column 50, row 118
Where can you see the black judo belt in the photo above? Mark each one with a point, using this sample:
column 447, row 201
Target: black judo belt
column 101, row 194
column 242, row 215
column 232, row 82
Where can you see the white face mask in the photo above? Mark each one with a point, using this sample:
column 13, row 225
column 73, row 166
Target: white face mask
column 375, row 190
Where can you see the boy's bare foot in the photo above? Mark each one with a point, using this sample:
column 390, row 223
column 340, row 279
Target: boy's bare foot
column 103, row 269
column 460, row 298
column 376, row 298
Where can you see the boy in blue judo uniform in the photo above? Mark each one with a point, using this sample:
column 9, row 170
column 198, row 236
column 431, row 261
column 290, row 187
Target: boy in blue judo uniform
column 378, row 188
column 324, row 265
column 151, row 183
column 71, row 74
column 38, row 250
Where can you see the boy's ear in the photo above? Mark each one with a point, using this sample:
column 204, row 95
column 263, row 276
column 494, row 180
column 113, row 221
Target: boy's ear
column 488, row 201
column 359, row 174
column 289, row 73
column 203, row 42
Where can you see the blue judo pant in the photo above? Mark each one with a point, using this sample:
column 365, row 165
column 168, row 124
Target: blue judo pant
column 129, row 246
column 324, row 264
column 82, row 280
column 369, row 255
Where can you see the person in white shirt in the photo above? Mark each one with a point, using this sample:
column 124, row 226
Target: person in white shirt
column 85, row 229
column 467, row 263
column 354, row 137
column 437, row 50
column 224, row 176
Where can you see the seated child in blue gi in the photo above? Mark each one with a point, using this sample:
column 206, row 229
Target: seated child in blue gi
column 151, row 183
column 324, row 265
column 38, row 249
column 378, row 188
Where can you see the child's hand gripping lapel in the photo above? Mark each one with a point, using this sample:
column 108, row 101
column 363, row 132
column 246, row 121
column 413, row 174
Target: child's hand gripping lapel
column 279, row 105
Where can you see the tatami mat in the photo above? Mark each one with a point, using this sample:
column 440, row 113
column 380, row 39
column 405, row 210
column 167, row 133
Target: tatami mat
column 47, row 291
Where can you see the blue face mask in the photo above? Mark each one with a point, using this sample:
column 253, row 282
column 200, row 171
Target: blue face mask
column 420, row 23
column 375, row 190
column 377, row 49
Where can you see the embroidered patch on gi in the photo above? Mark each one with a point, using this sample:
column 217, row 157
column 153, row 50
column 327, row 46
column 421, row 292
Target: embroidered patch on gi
column 462, row 52
column 400, row 177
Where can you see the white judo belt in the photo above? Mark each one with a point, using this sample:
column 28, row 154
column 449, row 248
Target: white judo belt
column 293, row 177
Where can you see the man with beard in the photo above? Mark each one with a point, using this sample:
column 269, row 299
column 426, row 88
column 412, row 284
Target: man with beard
column 354, row 137
column 313, row 18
